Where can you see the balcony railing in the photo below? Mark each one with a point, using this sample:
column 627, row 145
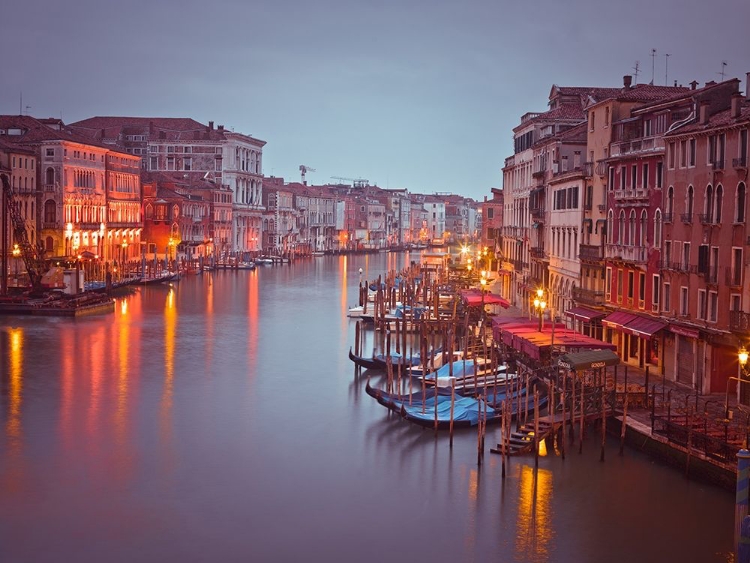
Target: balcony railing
column 537, row 212
column 538, row 174
column 718, row 164
column 519, row 265
column 705, row 218
column 602, row 207
column 590, row 252
column 587, row 168
column 734, row 277
column 667, row 217
column 678, row 267
column 588, row 296
column 711, row 275
column 50, row 188
column 648, row 144
column 740, row 162
column 602, row 168
column 50, row 225
column 686, row 218
column 635, row 254
column 537, row 252
column 739, row 321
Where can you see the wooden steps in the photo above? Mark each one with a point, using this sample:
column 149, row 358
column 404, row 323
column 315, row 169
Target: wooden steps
column 522, row 440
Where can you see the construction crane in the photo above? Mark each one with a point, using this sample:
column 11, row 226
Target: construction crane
column 356, row 182
column 33, row 257
column 304, row 170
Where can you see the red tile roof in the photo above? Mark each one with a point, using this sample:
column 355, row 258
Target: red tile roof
column 716, row 121
column 175, row 128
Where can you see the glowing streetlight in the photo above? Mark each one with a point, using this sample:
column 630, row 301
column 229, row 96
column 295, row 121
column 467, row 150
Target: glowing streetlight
column 540, row 305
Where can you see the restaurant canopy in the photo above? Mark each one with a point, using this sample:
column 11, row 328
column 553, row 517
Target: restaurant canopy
column 588, row 359
column 636, row 325
column 473, row 298
column 585, row 314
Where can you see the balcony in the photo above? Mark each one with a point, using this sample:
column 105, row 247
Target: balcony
column 718, row 164
column 590, row 252
column 602, row 168
column 666, row 217
column 519, row 265
column 634, row 254
column 733, row 277
column 602, row 207
column 537, row 213
column 538, row 174
column 649, row 144
column 678, row 267
column 588, row 296
column 50, row 188
column 52, row 225
column 686, row 218
column 711, row 275
column 705, row 218
column 538, row 252
column 587, row 169
column 739, row 321
column 740, row 162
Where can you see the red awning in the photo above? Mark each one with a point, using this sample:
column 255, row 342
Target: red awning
column 684, row 331
column 473, row 298
column 618, row 319
column 642, row 326
column 584, row 313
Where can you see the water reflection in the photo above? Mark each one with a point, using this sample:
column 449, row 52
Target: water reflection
column 165, row 407
column 534, row 532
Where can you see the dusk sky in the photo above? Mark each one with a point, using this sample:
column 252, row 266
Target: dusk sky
column 417, row 95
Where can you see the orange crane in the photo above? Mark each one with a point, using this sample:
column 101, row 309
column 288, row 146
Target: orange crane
column 304, row 170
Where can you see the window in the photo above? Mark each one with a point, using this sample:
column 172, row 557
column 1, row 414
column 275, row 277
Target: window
column 647, row 128
column 702, row 259
column 667, row 301
column 611, row 171
column 644, row 175
column 631, row 284
column 684, row 303
column 683, row 153
column 592, row 120
column 490, row 213
column 708, row 208
column 50, row 211
column 631, row 229
column 606, row 117
column 668, row 253
column 50, row 152
column 633, row 176
column 670, row 201
column 702, row 304
column 672, row 150
column 170, row 163
column 619, row 286
column 641, row 290
column 610, row 227
column 187, row 163
column 740, row 211
column 659, row 172
column 657, row 228
column 736, row 271
column 622, row 178
column 686, row 254
column 735, row 302
column 621, row 228
column 642, row 236
column 691, row 153
column 719, row 201
column 743, row 147
column 713, row 303
column 689, row 202
column 154, row 163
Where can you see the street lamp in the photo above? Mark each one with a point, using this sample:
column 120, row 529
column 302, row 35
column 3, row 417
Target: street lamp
column 16, row 254
column 483, row 281
column 742, row 356
column 540, row 305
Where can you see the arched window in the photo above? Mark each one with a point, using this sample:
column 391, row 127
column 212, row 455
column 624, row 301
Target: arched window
column 49, row 176
column 657, row 228
column 50, row 211
column 670, row 201
column 689, row 202
column 719, row 202
column 631, row 228
column 149, row 211
column 708, row 208
column 740, row 213
column 621, row 228
column 49, row 244
column 643, row 234
column 610, row 226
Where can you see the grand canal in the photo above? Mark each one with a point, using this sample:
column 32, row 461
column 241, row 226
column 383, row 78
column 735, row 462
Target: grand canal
column 220, row 419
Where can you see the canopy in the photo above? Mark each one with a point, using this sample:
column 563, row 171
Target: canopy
column 589, row 359
column 643, row 326
column 473, row 298
column 584, row 313
column 618, row 319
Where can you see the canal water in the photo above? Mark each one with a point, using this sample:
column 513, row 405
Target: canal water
column 219, row 419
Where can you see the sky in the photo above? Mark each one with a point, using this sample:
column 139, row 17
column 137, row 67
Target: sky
column 421, row 95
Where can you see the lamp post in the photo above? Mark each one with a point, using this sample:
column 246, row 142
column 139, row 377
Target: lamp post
column 483, row 281
column 124, row 257
column 742, row 356
column 540, row 305
column 16, row 254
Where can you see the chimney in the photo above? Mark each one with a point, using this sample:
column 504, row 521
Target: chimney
column 693, row 84
column 220, row 127
column 704, row 112
column 627, row 80
column 210, row 125
column 736, row 105
column 747, row 86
